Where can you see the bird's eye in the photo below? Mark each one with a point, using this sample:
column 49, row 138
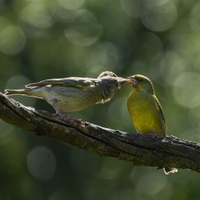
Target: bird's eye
column 140, row 80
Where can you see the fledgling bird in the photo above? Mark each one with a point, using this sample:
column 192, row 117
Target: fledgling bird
column 145, row 110
column 72, row 94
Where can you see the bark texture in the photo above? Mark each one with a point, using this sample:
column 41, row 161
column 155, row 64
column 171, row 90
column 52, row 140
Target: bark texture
column 138, row 149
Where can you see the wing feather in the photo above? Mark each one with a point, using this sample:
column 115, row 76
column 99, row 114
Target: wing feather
column 68, row 82
column 160, row 112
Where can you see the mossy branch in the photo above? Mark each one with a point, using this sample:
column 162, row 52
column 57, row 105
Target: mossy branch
column 136, row 148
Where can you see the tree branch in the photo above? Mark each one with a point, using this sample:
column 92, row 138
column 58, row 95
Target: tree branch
column 136, row 148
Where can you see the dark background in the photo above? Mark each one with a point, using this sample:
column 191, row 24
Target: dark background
column 42, row 39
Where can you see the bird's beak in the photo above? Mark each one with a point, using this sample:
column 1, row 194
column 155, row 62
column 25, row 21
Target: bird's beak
column 122, row 80
column 132, row 80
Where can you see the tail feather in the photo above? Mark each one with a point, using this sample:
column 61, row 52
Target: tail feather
column 10, row 92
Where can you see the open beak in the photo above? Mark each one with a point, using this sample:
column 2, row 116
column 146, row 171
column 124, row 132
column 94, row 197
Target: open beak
column 132, row 80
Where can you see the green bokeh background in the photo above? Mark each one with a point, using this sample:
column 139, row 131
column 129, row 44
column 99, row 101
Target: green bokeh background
column 42, row 39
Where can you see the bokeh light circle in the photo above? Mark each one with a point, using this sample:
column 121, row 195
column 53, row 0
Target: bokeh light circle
column 195, row 17
column 12, row 40
column 71, row 4
column 160, row 17
column 41, row 163
column 186, row 89
column 85, row 30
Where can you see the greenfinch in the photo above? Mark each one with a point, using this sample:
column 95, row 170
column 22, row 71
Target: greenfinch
column 145, row 110
column 72, row 94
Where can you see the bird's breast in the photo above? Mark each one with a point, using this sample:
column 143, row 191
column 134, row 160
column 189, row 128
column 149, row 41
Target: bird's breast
column 142, row 112
column 69, row 99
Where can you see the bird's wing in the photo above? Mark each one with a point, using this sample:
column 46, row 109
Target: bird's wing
column 160, row 112
column 76, row 82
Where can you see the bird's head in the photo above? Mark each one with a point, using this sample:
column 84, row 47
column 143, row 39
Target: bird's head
column 111, row 78
column 110, row 82
column 107, row 73
column 141, row 83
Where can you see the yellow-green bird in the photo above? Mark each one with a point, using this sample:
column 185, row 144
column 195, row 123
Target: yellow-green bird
column 72, row 94
column 145, row 110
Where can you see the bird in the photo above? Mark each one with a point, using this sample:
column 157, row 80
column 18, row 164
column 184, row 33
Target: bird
column 72, row 94
column 145, row 110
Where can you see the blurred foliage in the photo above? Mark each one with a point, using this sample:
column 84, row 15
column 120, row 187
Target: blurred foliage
column 42, row 39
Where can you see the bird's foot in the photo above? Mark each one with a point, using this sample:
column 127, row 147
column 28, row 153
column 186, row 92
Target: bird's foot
column 157, row 136
column 154, row 135
column 170, row 170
